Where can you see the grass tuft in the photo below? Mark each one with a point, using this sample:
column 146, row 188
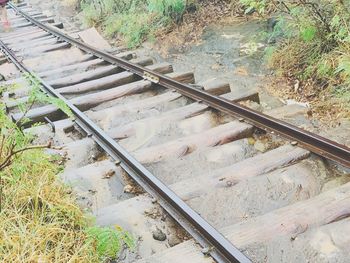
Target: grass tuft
column 134, row 29
column 132, row 20
column 108, row 242
column 313, row 46
column 39, row 218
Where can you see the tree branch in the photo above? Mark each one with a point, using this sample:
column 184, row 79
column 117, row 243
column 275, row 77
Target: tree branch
column 13, row 153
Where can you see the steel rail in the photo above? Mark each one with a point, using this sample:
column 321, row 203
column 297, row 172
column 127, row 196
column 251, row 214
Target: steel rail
column 218, row 246
column 313, row 142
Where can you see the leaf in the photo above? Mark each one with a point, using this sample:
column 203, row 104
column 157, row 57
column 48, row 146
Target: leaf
column 308, row 33
column 128, row 240
column 335, row 21
column 324, row 69
column 109, row 241
column 248, row 10
column 344, row 69
column 37, row 95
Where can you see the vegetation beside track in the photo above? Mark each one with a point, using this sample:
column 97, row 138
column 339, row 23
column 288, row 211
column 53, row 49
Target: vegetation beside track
column 312, row 42
column 312, row 49
column 39, row 218
column 134, row 20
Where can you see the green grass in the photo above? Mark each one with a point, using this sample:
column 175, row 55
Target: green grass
column 39, row 218
column 36, row 95
column 313, row 46
column 133, row 29
column 108, row 242
column 132, row 20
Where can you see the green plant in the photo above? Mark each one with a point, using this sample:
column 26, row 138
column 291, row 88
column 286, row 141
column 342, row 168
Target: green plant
column 314, row 32
column 343, row 68
column 132, row 20
column 96, row 12
column 91, row 16
column 39, row 219
column 313, row 46
column 108, row 241
column 133, row 28
column 37, row 95
column 253, row 5
column 12, row 141
column 168, row 8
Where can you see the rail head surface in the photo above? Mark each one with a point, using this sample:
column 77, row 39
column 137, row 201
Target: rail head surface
column 313, row 142
column 206, row 235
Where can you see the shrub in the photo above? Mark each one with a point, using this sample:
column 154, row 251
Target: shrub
column 133, row 20
column 316, row 40
column 133, row 28
column 39, row 219
column 168, row 8
column 108, row 242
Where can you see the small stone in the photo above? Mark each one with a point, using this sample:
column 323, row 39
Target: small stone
column 229, row 183
column 242, row 71
column 241, row 119
column 128, row 189
column 216, row 66
column 154, row 200
column 294, row 143
column 261, row 147
column 159, row 235
column 296, row 86
column 92, row 191
column 108, row 174
column 206, row 251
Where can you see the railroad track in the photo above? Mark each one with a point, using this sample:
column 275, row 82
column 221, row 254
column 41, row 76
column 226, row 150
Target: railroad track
column 173, row 161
